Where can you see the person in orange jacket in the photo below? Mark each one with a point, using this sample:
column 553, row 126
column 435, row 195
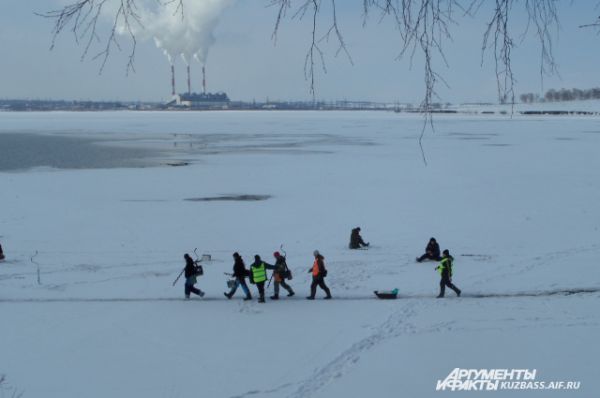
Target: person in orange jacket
column 319, row 273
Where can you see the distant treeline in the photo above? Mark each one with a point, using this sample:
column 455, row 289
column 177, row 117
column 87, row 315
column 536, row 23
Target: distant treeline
column 563, row 94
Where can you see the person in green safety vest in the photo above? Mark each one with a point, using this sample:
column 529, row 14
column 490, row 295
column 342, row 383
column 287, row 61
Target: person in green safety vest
column 258, row 276
column 445, row 270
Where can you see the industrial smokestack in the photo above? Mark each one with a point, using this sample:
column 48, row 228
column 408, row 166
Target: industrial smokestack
column 173, row 80
column 203, row 79
column 189, row 81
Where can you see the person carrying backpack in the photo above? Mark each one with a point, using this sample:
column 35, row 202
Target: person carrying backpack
column 280, row 273
column 318, row 273
column 191, row 272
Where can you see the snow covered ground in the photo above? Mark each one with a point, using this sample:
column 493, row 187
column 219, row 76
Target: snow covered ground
column 516, row 200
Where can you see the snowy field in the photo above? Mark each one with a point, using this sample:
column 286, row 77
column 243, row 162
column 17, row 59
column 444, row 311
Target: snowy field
column 516, row 201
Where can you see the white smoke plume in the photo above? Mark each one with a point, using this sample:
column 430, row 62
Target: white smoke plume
column 188, row 33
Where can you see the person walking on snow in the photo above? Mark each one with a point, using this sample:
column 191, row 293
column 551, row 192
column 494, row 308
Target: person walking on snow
column 190, row 277
column 432, row 251
column 279, row 275
column 445, row 270
column 1, row 253
column 258, row 276
column 356, row 241
column 239, row 273
column 318, row 276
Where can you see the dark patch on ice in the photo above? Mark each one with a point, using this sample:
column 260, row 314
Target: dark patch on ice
column 268, row 151
column 557, row 113
column 474, row 138
column 500, row 145
column 269, row 391
column 144, row 200
column 177, row 164
column 235, row 198
column 459, row 134
column 24, row 150
column 543, row 293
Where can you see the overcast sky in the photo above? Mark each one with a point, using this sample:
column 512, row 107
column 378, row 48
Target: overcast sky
column 245, row 62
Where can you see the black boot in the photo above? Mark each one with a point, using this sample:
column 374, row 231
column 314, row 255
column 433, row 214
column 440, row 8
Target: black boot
column 291, row 293
column 227, row 295
column 248, row 297
column 275, row 297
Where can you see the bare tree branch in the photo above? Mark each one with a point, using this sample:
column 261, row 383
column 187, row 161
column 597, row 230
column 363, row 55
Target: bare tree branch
column 503, row 45
column 338, row 34
column 544, row 16
column 309, row 62
column 595, row 25
column 82, row 18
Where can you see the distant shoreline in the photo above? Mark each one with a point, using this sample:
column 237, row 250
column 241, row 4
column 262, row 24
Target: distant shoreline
column 577, row 108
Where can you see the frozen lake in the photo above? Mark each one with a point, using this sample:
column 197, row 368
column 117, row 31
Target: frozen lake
column 514, row 199
column 23, row 151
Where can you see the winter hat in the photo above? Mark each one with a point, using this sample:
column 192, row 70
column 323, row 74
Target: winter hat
column 236, row 255
column 256, row 257
column 316, row 253
column 276, row 254
column 446, row 252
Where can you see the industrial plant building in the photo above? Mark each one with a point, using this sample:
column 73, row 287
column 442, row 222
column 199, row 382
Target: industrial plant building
column 193, row 100
column 200, row 101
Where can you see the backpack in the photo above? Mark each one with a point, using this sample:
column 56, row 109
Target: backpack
column 287, row 272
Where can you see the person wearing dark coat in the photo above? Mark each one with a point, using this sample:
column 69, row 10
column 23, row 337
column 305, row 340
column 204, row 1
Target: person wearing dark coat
column 432, row 251
column 356, row 241
column 1, row 253
column 258, row 276
column 445, row 270
column 279, row 276
column 190, row 277
column 239, row 273
column 319, row 273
